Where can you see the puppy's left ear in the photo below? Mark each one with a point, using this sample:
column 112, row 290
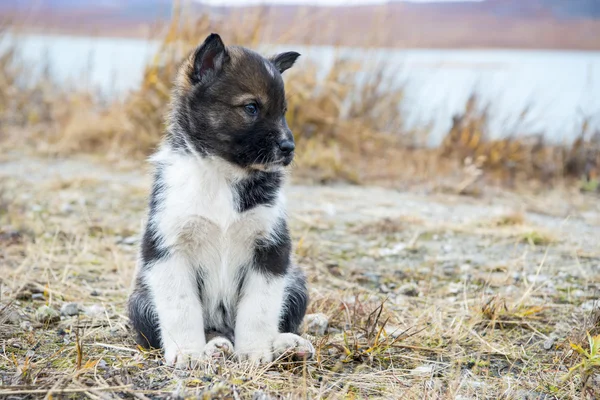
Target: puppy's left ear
column 209, row 59
column 284, row 61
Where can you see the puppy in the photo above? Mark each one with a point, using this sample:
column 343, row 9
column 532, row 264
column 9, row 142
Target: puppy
column 215, row 274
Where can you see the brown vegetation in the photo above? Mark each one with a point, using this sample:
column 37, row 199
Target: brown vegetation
column 345, row 130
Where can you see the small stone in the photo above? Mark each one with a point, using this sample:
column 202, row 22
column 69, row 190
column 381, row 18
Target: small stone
column 422, row 370
column 549, row 344
column 14, row 343
column 38, row 296
column 476, row 384
column 537, row 278
column 578, row 293
column 371, row 277
column 260, row 395
column 409, row 289
column 316, row 324
column 95, row 293
column 66, row 208
column 529, row 395
column 590, row 305
column 26, row 326
column 14, row 318
column 69, row 309
column 47, row 315
column 94, row 311
column 329, row 209
column 130, row 240
column 455, row 287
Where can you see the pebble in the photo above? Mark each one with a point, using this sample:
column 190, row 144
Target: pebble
column 26, row 326
column 590, row 305
column 529, row 395
column 422, row 370
column 397, row 249
column 549, row 344
column 47, row 315
column 69, row 309
column 129, row 241
column 465, row 268
column 316, row 324
column 409, row 289
column 455, row 287
column 94, row 311
column 14, row 318
column 66, row 208
column 38, row 296
column 537, row 278
column 578, row 293
column 260, row 395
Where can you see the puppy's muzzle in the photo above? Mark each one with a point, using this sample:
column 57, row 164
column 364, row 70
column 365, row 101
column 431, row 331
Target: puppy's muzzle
column 286, row 147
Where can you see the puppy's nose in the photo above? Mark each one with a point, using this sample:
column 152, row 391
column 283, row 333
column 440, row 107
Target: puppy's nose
column 287, row 146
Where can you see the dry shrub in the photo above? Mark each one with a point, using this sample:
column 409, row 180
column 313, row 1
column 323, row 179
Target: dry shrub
column 525, row 156
column 342, row 121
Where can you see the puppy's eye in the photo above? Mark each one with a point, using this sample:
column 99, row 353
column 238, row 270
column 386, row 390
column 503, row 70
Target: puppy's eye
column 251, row 109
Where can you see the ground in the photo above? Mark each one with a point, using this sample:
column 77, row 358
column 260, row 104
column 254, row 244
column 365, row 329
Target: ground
column 426, row 294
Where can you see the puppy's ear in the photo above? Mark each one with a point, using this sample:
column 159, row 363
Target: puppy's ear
column 284, row 61
column 209, row 59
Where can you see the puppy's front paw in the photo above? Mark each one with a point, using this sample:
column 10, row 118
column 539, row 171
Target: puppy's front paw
column 256, row 353
column 294, row 346
column 217, row 348
column 182, row 358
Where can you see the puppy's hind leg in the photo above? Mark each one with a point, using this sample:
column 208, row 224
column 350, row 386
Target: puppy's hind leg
column 143, row 316
column 289, row 342
column 295, row 301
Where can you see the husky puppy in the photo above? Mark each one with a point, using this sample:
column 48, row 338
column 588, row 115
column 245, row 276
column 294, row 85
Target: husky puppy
column 215, row 274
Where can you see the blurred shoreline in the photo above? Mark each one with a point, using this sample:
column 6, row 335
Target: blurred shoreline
column 492, row 24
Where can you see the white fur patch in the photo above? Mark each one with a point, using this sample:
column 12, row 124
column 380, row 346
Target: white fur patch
column 198, row 220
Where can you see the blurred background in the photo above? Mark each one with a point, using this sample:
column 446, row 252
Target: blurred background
column 387, row 92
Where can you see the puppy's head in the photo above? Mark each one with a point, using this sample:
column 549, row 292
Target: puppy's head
column 230, row 103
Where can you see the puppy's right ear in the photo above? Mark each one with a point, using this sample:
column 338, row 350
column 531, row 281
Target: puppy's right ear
column 209, row 59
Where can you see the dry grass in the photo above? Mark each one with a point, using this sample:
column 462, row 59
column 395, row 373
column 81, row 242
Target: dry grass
column 463, row 309
column 520, row 157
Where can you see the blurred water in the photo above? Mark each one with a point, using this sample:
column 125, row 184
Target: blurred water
column 560, row 87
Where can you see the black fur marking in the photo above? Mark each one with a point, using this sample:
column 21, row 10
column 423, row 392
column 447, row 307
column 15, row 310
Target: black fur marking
column 284, row 61
column 208, row 59
column 258, row 189
column 273, row 256
column 294, row 304
column 142, row 316
column 152, row 249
